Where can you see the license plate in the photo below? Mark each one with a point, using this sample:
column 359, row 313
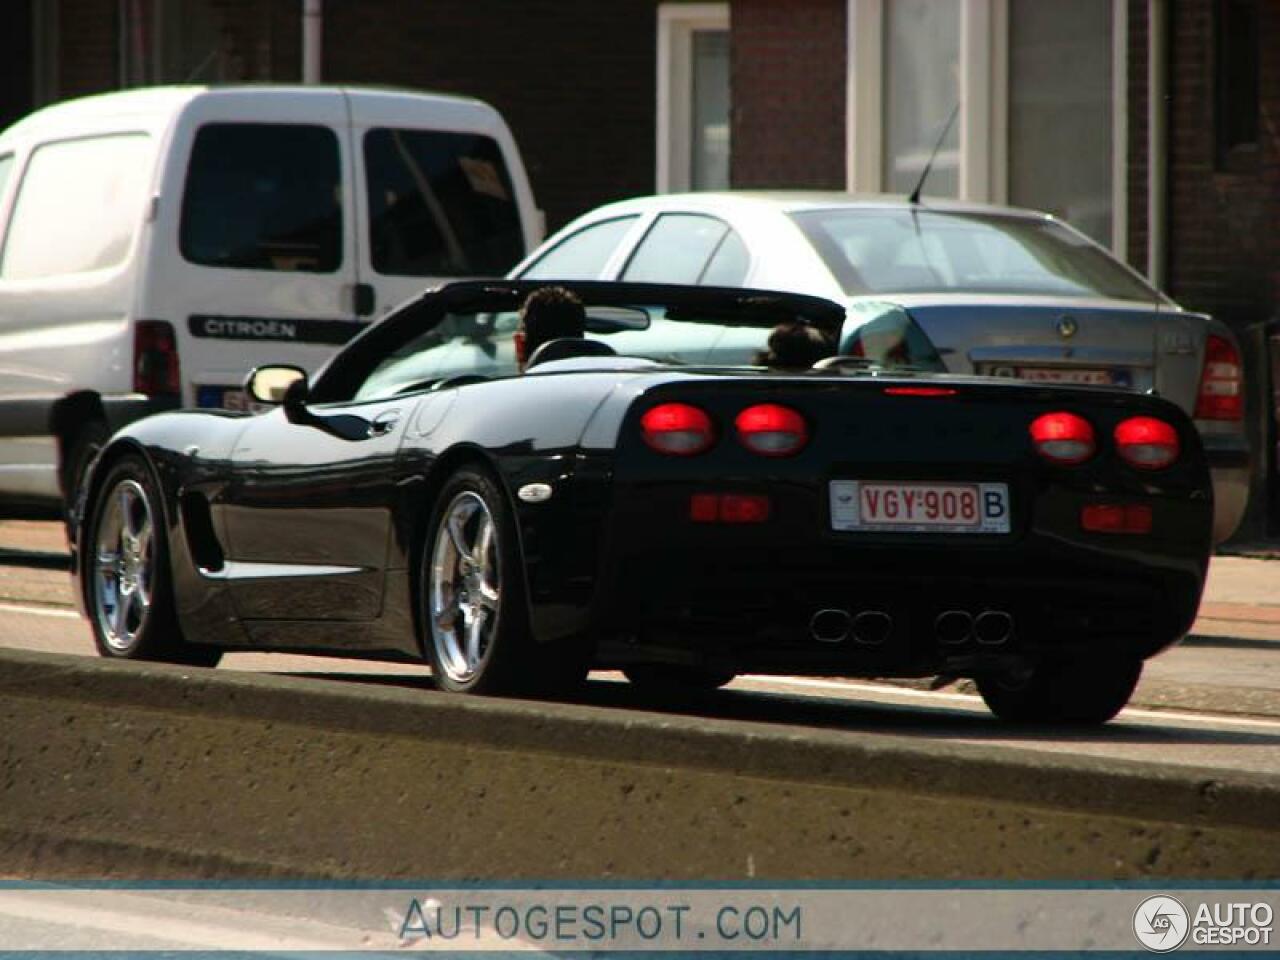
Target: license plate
column 223, row 398
column 905, row 507
column 1092, row 377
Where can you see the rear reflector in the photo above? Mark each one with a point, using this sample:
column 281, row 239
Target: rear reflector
column 1116, row 518
column 772, row 430
column 1221, row 394
column 1146, row 443
column 677, row 429
column 729, row 508
column 155, row 358
column 920, row 391
column 1063, row 437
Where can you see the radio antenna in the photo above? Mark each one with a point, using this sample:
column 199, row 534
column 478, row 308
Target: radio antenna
column 924, row 175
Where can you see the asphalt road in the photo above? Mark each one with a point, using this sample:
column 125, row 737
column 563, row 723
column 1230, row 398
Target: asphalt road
column 1187, row 734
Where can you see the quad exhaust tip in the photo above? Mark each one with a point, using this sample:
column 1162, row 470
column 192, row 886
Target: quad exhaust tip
column 953, row 627
column 830, row 625
column 872, row 627
column 993, row 627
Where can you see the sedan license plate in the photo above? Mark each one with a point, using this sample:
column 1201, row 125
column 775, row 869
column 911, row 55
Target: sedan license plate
column 1091, row 376
column 906, row 507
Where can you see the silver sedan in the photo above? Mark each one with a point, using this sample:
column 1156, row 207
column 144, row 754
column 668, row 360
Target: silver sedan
column 997, row 290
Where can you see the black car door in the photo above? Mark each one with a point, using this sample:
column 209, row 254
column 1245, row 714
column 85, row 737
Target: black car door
column 308, row 513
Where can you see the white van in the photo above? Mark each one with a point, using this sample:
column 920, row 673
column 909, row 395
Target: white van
column 156, row 244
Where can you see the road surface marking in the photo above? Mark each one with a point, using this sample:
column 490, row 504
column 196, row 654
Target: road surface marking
column 969, row 699
column 40, row 611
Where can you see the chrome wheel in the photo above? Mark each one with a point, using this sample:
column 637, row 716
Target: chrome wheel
column 465, row 587
column 124, row 566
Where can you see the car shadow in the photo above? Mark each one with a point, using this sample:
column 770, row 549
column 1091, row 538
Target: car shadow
column 32, row 558
column 935, row 721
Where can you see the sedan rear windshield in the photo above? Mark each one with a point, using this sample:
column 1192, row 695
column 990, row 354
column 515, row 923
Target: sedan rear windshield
column 923, row 251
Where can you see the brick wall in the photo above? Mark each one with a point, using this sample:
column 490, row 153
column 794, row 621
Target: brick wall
column 1223, row 250
column 788, row 93
column 88, row 54
column 575, row 80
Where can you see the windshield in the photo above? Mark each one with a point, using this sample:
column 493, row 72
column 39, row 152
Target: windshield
column 923, row 251
column 480, row 346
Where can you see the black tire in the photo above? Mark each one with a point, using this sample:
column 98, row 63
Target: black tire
column 464, row 581
column 130, row 601
column 673, row 678
column 79, row 453
column 1080, row 693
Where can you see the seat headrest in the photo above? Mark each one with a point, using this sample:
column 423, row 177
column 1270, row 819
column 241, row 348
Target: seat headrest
column 566, row 347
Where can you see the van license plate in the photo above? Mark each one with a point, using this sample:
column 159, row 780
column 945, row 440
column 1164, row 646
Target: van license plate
column 222, row 398
column 907, row 507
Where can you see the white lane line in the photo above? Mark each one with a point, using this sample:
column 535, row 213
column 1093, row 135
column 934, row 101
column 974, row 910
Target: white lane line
column 40, row 611
column 968, row 699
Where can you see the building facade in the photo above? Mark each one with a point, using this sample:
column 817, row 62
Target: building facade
column 1154, row 125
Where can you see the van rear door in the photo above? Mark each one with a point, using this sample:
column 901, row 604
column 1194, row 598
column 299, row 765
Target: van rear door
column 442, row 194
column 253, row 255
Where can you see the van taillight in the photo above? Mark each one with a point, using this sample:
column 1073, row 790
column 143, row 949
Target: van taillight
column 1221, row 394
column 155, row 358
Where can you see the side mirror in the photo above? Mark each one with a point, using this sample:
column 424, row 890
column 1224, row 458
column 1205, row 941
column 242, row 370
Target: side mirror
column 277, row 384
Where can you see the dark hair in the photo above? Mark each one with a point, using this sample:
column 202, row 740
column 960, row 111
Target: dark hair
column 550, row 313
column 795, row 346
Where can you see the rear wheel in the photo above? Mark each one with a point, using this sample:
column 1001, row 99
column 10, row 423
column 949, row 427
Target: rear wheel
column 673, row 678
column 1085, row 693
column 474, row 616
column 130, row 595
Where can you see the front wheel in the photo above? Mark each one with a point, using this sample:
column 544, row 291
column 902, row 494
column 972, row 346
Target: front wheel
column 130, row 595
column 1073, row 692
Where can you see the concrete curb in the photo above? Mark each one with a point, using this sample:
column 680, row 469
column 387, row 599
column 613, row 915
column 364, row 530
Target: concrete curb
column 209, row 772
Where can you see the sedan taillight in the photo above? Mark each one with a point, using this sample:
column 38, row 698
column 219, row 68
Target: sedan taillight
column 772, row 430
column 1063, row 437
column 677, row 429
column 1146, row 443
column 1221, row 394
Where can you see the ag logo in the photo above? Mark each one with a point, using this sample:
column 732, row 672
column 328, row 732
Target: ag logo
column 1161, row 924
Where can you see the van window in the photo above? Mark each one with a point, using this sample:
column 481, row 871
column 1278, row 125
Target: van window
column 78, row 206
column 262, row 196
column 440, row 204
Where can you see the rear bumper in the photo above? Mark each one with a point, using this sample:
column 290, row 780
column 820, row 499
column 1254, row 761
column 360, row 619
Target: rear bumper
column 744, row 599
column 1231, row 467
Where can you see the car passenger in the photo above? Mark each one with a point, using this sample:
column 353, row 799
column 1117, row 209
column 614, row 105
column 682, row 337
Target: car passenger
column 549, row 313
column 795, row 346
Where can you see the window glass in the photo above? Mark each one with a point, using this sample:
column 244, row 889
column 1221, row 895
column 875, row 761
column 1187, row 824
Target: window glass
column 922, row 84
column 676, row 249
column 440, row 204
column 728, row 266
column 583, row 255
column 901, row 251
column 264, row 197
column 78, row 207
column 1060, row 111
column 709, row 140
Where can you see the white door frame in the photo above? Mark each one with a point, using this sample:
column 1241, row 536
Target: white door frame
column 677, row 23
column 984, row 112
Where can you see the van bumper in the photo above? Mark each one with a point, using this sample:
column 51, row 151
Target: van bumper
column 1231, row 468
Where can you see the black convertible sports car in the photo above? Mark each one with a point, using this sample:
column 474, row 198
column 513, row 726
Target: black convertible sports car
column 658, row 504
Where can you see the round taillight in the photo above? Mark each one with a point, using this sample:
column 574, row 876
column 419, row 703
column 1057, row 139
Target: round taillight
column 1147, row 443
column 1063, row 437
column 677, row 429
column 772, row 430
